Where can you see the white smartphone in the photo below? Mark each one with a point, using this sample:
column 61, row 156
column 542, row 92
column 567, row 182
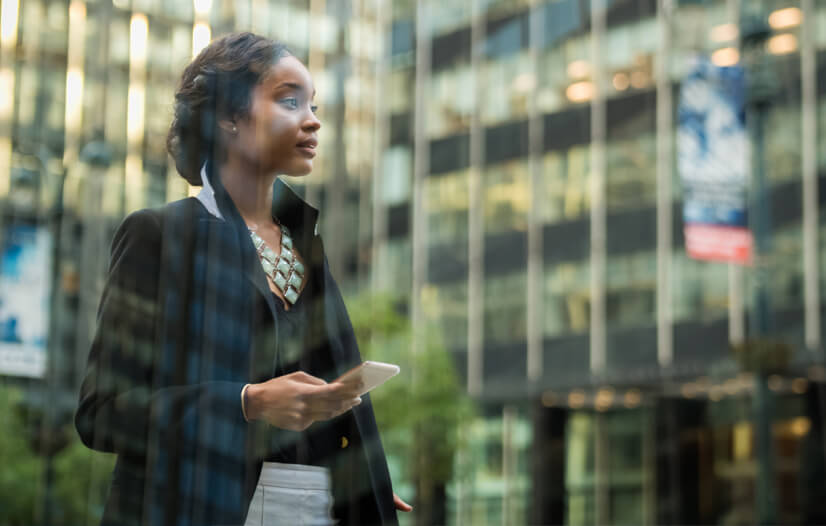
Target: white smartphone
column 371, row 374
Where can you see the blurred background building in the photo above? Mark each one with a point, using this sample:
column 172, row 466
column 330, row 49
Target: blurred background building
column 508, row 169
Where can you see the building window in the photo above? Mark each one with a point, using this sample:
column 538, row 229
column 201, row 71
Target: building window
column 508, row 82
column 505, row 308
column 566, row 301
column 631, row 283
column 700, row 288
column 397, row 166
column 402, row 37
column 507, row 197
column 449, row 310
column 447, row 209
column 786, row 283
column 447, row 16
column 783, row 143
column 506, row 36
column 631, row 166
column 451, row 101
column 398, row 268
column 565, row 194
column 400, row 91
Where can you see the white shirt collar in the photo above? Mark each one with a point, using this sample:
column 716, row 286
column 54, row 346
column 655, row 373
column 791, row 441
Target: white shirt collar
column 207, row 195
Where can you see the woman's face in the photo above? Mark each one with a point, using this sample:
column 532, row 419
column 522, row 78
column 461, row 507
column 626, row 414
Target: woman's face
column 280, row 133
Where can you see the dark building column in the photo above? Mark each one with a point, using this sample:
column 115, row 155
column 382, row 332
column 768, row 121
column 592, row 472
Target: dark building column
column 678, row 459
column 548, row 464
column 812, row 460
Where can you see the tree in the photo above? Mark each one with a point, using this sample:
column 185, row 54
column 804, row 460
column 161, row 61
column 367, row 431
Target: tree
column 420, row 412
column 82, row 479
column 81, row 476
column 21, row 467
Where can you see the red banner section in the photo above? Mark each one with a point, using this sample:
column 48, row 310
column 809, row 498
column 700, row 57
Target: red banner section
column 718, row 243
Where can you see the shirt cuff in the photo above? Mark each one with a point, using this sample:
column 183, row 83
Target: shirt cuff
column 244, row 402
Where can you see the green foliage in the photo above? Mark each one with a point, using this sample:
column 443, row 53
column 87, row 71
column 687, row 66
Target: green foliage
column 422, row 410
column 21, row 468
column 80, row 476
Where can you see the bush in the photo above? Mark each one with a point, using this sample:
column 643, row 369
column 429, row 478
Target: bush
column 21, row 471
column 80, row 479
column 422, row 410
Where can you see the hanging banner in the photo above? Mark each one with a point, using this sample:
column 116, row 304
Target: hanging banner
column 713, row 162
column 25, row 277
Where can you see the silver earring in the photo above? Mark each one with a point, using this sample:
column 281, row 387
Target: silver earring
column 234, row 129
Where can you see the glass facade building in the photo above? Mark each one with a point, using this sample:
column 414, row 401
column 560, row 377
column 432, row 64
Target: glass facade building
column 508, row 169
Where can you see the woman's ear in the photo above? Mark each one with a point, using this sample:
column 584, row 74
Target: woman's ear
column 228, row 126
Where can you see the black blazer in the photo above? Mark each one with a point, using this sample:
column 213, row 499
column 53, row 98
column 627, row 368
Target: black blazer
column 180, row 331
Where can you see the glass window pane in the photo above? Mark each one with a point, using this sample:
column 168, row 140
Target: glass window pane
column 507, row 196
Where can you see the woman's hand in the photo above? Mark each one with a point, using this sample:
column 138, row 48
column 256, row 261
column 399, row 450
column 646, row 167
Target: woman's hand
column 400, row 504
column 294, row 401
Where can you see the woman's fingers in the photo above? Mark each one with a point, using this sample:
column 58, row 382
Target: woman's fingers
column 339, row 407
column 400, row 504
column 349, row 405
column 329, row 412
column 344, row 390
column 296, row 400
column 301, row 376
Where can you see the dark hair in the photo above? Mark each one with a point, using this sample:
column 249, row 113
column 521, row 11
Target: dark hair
column 217, row 84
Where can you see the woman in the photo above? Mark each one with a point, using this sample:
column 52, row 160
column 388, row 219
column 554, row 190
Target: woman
column 220, row 329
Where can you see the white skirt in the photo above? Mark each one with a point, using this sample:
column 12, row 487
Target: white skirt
column 294, row 494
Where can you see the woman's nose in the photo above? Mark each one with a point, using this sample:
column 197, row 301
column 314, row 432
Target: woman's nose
column 312, row 122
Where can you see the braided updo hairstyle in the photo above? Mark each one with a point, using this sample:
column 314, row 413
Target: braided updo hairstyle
column 217, row 84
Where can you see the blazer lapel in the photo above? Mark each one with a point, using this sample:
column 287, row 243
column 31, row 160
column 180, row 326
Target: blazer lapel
column 255, row 274
column 219, row 204
column 294, row 213
column 287, row 207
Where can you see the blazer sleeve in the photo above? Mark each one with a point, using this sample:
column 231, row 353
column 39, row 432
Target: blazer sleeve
column 123, row 395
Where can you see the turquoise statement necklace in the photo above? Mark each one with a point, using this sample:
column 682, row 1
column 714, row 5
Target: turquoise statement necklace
column 283, row 269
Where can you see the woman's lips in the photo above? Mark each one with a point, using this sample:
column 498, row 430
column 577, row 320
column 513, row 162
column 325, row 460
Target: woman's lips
column 307, row 151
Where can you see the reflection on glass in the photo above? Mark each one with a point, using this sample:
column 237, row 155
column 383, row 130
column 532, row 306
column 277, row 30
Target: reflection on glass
column 631, row 181
column 397, row 166
column 507, row 196
column 631, row 282
column 115, row 118
column 623, row 473
column 700, row 288
column 787, row 279
column 56, row 23
column 565, row 185
column 783, row 143
column 505, row 96
column 399, row 268
column 505, row 308
column 157, row 122
column 399, row 91
column 485, row 483
column 734, row 465
column 447, row 209
column 449, row 311
column 553, row 79
column 119, row 40
column 579, row 469
column 502, row 7
column 451, row 101
column 27, row 96
column 566, row 306
column 448, row 16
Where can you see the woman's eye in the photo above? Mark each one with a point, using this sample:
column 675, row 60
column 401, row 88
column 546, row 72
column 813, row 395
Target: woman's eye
column 314, row 108
column 292, row 102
